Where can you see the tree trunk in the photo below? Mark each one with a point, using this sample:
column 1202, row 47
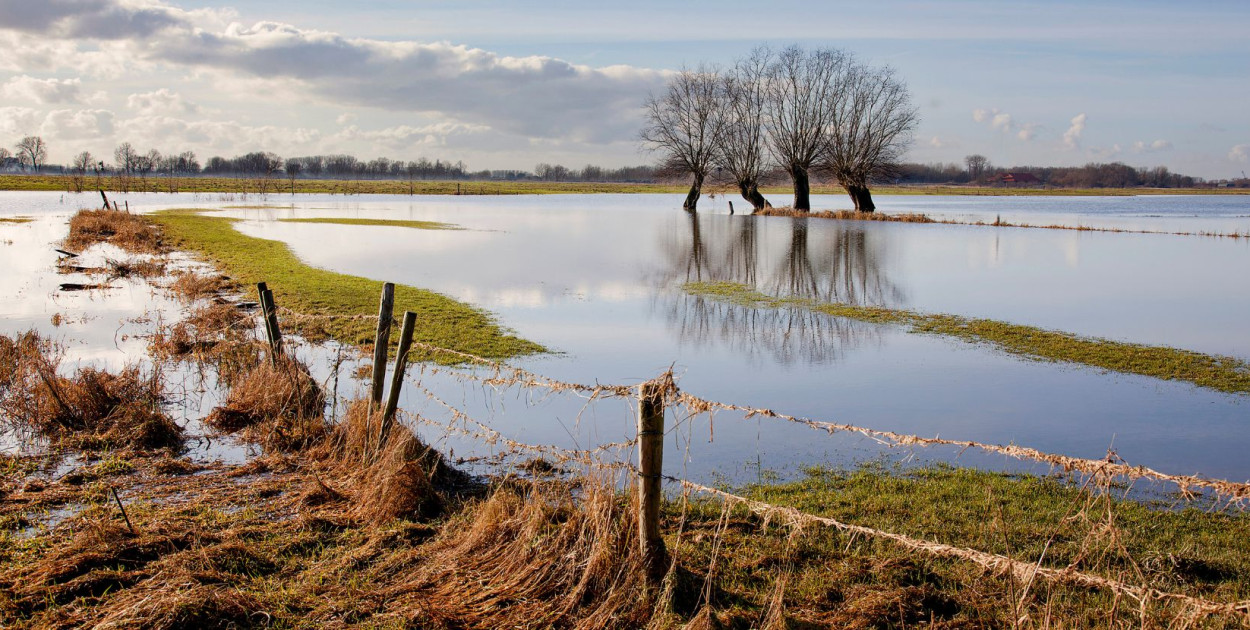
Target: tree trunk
column 862, row 198
column 751, row 192
column 692, row 198
column 802, row 189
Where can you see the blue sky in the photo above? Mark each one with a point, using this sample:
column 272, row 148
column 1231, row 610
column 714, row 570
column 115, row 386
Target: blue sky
column 509, row 84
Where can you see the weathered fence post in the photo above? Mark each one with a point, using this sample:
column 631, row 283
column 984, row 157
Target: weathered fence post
column 397, row 379
column 380, row 344
column 650, row 463
column 269, row 311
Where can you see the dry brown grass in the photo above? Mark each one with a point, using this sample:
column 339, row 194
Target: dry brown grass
column 150, row 268
column 217, row 336
column 847, row 215
column 404, row 479
column 93, row 409
column 527, row 556
column 190, row 286
column 131, row 232
column 276, row 404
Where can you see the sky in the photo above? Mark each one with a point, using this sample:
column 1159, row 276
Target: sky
column 506, row 84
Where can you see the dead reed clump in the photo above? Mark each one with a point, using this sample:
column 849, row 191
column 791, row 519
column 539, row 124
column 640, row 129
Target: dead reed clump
column 93, row 409
column 216, row 335
column 276, row 404
column 404, row 479
column 530, row 555
column 131, row 232
column 191, row 286
column 19, row 355
column 149, row 268
column 847, row 215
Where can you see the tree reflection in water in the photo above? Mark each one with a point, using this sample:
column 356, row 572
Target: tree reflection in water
column 837, row 262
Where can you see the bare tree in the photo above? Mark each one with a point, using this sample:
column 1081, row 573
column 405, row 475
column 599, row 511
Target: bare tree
column 82, row 164
column 872, row 125
column 126, row 158
column 978, row 165
column 293, row 167
column 685, row 124
column 31, row 152
column 4, row 155
column 742, row 151
column 801, row 93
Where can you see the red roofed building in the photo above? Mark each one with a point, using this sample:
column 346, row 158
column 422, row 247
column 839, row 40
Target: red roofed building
column 1017, row 179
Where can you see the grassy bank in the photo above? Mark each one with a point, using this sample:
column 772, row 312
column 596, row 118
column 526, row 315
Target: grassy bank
column 278, row 187
column 335, row 300
column 1226, row 374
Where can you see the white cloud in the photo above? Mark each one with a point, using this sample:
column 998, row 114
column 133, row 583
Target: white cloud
column 1105, row 153
column 1003, row 122
column 1158, row 145
column 162, row 101
column 231, row 137
column 1072, row 137
column 535, row 97
column 42, row 91
column 86, row 124
column 346, row 118
column 1240, row 153
column 19, row 121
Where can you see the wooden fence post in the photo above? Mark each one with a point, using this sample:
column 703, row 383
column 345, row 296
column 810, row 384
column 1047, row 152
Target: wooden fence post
column 650, row 463
column 269, row 311
column 397, row 379
column 380, row 344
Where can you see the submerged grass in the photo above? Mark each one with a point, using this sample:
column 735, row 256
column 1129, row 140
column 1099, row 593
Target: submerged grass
column 1225, row 374
column 418, row 225
column 336, row 302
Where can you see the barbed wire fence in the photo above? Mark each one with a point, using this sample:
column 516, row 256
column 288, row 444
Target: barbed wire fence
column 617, row 458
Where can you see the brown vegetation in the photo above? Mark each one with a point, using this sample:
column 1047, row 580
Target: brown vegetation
column 190, row 286
column 92, row 409
column 130, row 232
column 216, row 335
column 848, row 215
column 276, row 404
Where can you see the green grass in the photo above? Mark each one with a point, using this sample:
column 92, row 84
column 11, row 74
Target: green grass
column 441, row 321
column 840, row 581
column 1225, row 374
column 416, row 225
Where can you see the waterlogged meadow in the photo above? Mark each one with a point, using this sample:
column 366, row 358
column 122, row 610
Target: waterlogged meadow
column 832, row 386
column 604, row 281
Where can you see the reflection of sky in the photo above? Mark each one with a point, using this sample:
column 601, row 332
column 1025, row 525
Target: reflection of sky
column 596, row 279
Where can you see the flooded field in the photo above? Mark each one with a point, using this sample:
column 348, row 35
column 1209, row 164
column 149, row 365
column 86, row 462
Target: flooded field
column 599, row 280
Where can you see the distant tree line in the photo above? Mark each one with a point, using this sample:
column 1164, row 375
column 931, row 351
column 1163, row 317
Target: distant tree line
column 154, row 170
column 977, row 169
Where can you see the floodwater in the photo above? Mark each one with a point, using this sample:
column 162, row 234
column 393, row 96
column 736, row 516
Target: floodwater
column 598, row 278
